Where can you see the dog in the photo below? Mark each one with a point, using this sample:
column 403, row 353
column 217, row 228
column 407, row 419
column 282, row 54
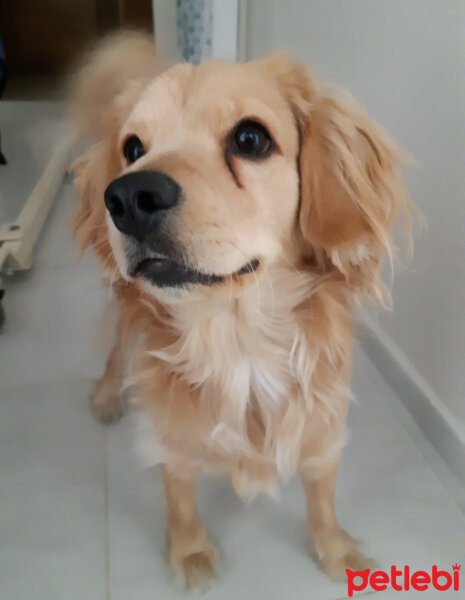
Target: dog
column 238, row 210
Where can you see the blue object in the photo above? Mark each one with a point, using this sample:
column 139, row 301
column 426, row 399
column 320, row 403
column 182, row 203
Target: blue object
column 194, row 24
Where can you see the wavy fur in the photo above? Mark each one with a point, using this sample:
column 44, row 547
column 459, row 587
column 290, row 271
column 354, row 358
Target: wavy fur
column 251, row 377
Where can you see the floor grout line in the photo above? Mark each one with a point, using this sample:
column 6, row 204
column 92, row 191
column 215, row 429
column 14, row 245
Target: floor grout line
column 106, row 515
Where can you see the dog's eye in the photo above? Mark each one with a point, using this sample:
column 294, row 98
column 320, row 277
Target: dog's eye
column 251, row 139
column 133, row 149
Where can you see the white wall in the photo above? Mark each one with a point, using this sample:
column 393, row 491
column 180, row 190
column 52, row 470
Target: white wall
column 225, row 23
column 405, row 60
column 165, row 28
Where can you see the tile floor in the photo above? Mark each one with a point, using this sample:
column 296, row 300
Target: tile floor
column 28, row 130
column 79, row 518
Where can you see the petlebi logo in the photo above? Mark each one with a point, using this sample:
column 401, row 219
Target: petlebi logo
column 403, row 579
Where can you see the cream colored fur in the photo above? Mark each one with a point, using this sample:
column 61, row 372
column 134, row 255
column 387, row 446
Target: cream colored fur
column 250, row 376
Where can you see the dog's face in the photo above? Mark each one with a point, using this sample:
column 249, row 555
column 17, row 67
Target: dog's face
column 207, row 188
column 203, row 177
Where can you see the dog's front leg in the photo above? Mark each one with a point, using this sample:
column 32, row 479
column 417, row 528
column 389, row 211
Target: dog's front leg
column 335, row 548
column 190, row 552
column 105, row 399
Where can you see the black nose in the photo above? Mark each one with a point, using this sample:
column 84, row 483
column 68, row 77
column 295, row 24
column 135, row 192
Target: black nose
column 138, row 202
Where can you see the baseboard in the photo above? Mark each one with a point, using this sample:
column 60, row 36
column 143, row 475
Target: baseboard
column 427, row 409
column 16, row 251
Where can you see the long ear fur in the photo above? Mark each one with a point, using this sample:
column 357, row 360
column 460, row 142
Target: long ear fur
column 89, row 223
column 111, row 76
column 103, row 94
column 351, row 188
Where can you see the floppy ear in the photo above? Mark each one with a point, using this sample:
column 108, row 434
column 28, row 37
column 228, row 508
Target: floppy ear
column 112, row 75
column 351, row 189
column 103, row 94
column 89, row 223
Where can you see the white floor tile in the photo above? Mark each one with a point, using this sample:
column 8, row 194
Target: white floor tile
column 405, row 511
column 52, row 462
column 50, row 329
column 54, row 311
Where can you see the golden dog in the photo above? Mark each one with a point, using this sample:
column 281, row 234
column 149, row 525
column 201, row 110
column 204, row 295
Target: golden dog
column 236, row 208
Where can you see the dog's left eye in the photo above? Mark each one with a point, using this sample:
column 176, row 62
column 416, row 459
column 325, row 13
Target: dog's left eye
column 133, row 149
column 252, row 140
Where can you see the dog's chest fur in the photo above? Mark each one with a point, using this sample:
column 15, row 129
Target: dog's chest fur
column 249, row 363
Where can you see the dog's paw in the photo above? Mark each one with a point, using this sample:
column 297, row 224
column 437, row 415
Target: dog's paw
column 197, row 570
column 105, row 402
column 338, row 551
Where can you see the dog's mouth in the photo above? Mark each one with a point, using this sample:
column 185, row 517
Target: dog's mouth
column 163, row 271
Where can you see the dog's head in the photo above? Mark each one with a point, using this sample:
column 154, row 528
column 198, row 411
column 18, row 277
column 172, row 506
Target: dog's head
column 203, row 177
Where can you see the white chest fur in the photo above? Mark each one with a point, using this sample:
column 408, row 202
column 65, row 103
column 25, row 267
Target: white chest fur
column 248, row 348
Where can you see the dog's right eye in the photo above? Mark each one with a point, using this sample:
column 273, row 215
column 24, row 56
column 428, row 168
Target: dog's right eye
column 133, row 149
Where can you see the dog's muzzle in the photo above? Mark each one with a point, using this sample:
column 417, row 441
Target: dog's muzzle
column 140, row 205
